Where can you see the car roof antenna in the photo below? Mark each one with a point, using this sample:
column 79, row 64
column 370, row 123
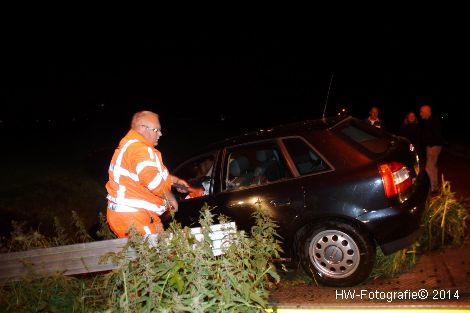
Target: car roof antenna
column 327, row 95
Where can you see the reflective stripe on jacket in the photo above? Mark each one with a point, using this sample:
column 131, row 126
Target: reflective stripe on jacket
column 137, row 176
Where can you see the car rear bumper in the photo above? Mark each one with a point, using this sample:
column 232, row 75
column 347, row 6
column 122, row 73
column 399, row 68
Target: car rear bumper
column 403, row 242
column 398, row 226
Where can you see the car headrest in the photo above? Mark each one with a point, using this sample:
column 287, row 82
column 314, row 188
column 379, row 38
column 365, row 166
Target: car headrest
column 238, row 166
column 264, row 155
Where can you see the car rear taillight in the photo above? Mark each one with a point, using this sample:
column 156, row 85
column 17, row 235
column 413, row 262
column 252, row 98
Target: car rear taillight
column 396, row 178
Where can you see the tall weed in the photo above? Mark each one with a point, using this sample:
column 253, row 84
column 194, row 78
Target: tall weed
column 183, row 275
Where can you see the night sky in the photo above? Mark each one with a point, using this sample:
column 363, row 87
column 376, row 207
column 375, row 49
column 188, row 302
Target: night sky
column 84, row 86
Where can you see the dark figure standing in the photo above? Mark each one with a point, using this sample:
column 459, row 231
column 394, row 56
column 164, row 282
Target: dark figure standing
column 411, row 130
column 432, row 141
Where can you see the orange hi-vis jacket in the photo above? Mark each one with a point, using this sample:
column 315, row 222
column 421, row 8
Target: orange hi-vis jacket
column 138, row 181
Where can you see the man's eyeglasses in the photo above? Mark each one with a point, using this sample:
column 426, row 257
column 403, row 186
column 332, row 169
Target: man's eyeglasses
column 155, row 130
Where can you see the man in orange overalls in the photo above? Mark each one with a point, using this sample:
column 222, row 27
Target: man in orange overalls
column 139, row 186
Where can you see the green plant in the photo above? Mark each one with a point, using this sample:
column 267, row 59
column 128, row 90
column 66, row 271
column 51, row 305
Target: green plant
column 61, row 237
column 183, row 275
column 104, row 232
column 398, row 262
column 81, row 234
column 22, row 239
column 444, row 220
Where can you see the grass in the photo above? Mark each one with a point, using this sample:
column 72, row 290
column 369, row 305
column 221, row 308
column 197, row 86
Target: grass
column 23, row 238
column 445, row 220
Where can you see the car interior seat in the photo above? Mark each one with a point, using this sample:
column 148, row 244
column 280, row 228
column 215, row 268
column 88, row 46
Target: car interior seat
column 239, row 174
column 269, row 166
column 308, row 163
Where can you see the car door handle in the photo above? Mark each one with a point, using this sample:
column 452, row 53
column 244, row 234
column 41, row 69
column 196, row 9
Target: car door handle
column 279, row 203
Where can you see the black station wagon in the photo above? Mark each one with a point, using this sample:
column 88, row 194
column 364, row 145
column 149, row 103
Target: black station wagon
column 337, row 188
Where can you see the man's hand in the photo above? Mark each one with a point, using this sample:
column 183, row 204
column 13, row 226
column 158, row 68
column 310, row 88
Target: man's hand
column 181, row 185
column 172, row 201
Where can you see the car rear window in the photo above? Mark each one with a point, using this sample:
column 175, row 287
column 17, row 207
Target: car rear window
column 370, row 139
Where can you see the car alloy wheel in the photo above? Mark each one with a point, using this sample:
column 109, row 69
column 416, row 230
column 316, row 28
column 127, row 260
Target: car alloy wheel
column 334, row 253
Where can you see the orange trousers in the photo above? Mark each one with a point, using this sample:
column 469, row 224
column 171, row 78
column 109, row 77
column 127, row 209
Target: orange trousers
column 145, row 222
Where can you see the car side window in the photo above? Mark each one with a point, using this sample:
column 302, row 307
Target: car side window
column 306, row 160
column 198, row 173
column 254, row 165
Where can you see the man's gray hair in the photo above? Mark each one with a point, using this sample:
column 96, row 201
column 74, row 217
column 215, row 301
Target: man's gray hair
column 141, row 117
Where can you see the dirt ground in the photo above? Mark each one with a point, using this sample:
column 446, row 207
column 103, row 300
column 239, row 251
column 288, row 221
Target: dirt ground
column 442, row 279
column 454, row 164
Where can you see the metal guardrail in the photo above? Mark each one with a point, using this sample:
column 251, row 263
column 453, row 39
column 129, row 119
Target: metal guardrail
column 86, row 257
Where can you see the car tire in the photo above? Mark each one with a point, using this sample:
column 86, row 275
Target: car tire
column 336, row 253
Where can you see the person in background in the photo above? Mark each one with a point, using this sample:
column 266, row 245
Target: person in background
column 432, row 141
column 139, row 186
column 410, row 129
column 373, row 118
